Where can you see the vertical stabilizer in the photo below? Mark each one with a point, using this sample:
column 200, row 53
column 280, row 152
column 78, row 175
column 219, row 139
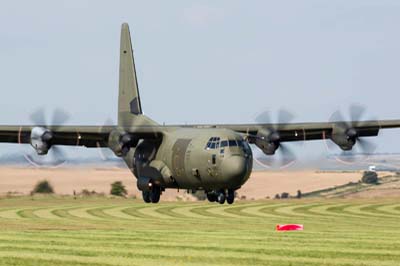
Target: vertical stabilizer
column 129, row 105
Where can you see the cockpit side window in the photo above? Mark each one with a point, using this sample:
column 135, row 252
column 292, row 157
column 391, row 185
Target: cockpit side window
column 232, row 143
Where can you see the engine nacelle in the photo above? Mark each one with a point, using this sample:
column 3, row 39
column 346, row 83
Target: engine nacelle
column 344, row 138
column 268, row 148
column 267, row 141
column 120, row 142
column 41, row 140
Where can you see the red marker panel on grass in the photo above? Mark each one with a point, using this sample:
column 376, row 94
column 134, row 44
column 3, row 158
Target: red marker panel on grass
column 289, row 227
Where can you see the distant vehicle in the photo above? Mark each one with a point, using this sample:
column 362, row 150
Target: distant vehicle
column 213, row 158
column 372, row 168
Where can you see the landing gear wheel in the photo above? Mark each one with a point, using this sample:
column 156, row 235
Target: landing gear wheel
column 221, row 197
column 146, row 196
column 231, row 196
column 211, row 196
column 155, row 194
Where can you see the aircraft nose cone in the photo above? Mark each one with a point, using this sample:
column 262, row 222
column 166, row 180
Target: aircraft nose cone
column 234, row 168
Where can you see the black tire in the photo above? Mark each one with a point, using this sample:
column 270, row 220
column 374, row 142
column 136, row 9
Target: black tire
column 155, row 194
column 221, row 198
column 211, row 196
column 230, row 198
column 146, row 196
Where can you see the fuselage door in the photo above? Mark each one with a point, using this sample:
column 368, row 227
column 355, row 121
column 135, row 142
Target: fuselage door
column 178, row 156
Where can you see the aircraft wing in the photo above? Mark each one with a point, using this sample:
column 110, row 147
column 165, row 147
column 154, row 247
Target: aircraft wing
column 98, row 136
column 309, row 131
column 88, row 136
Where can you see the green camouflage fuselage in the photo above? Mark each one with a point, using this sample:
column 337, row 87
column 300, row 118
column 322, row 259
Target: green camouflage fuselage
column 187, row 159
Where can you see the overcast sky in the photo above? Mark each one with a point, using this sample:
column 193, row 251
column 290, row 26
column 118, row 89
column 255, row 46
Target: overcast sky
column 203, row 61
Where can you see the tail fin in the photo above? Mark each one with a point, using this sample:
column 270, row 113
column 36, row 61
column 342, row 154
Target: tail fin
column 129, row 106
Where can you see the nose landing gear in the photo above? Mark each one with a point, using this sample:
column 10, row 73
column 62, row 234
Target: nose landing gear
column 152, row 195
column 221, row 196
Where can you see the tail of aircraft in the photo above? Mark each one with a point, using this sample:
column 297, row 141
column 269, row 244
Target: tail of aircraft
column 129, row 106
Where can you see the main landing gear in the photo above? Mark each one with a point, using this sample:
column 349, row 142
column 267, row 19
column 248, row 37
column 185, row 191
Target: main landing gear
column 152, row 195
column 221, row 196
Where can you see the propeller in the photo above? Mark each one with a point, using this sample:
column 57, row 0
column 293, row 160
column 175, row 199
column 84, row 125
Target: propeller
column 56, row 155
column 361, row 145
column 106, row 154
column 285, row 156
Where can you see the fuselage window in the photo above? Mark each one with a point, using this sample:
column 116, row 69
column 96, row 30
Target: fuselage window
column 232, row 143
column 224, row 143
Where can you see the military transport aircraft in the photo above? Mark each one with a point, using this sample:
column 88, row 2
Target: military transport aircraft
column 213, row 158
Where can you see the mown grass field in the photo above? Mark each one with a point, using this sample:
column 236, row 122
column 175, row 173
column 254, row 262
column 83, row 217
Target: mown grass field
column 99, row 231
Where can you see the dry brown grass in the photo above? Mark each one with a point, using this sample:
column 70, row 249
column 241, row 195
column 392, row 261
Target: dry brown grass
column 260, row 185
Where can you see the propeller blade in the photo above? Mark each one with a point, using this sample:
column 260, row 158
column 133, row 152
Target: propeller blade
column 265, row 161
column 287, row 156
column 356, row 112
column 45, row 161
column 109, row 122
column 263, row 118
column 367, row 147
column 38, row 117
column 283, row 159
column 59, row 117
column 284, row 116
column 284, row 155
column 106, row 153
column 57, row 152
column 339, row 120
column 347, row 157
column 56, row 156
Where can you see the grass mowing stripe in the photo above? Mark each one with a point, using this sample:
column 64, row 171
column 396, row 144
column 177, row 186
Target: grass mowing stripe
column 100, row 212
column 18, row 261
column 390, row 209
column 168, row 210
column 239, row 209
column 116, row 213
column 256, row 248
column 186, row 211
column 135, row 211
column 153, row 258
column 64, row 212
column 204, row 210
column 27, row 213
column 132, row 250
column 201, row 238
